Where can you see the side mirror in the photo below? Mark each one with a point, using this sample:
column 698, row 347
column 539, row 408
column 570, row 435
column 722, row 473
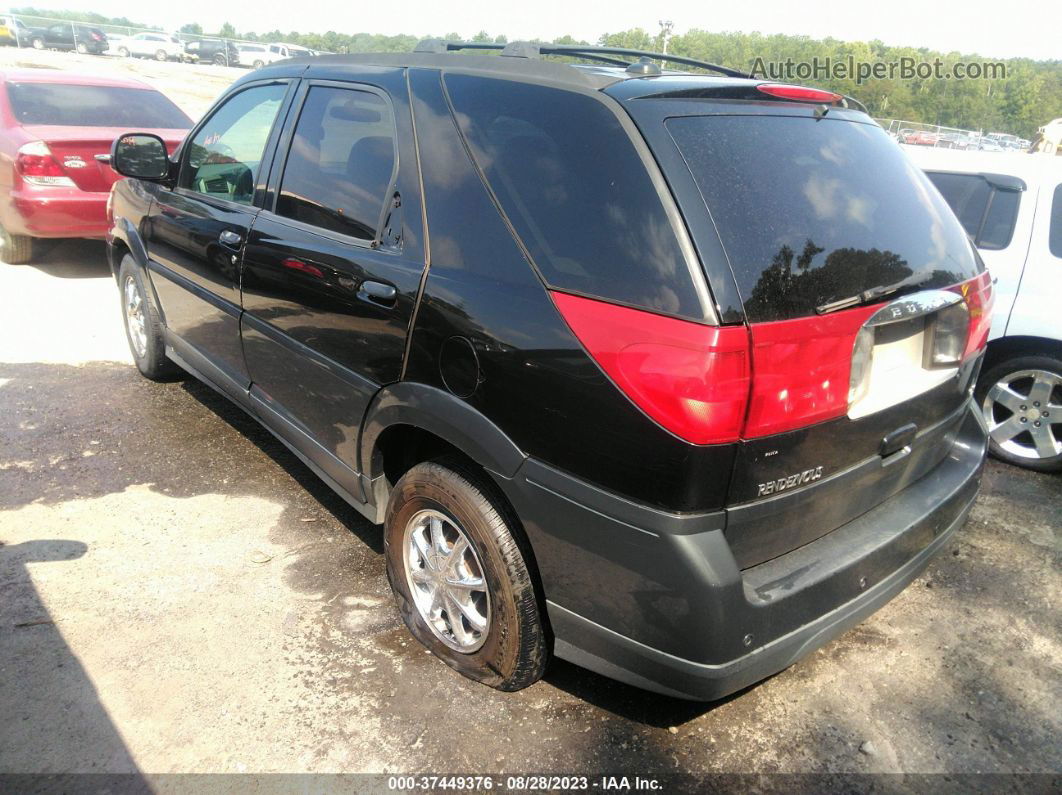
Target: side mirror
column 140, row 155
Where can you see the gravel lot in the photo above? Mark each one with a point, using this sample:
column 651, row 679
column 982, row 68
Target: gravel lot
column 179, row 594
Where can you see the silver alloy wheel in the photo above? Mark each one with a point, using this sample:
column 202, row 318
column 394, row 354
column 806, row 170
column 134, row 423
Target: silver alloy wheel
column 1023, row 412
column 134, row 316
column 446, row 580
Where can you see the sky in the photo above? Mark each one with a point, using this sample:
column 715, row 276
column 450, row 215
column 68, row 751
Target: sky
column 986, row 27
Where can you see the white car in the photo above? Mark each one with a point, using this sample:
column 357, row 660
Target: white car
column 258, row 55
column 1011, row 206
column 160, row 46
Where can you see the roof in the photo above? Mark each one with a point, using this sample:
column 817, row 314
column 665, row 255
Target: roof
column 67, row 78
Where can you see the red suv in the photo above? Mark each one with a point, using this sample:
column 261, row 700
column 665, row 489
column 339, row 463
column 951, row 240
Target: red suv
column 56, row 130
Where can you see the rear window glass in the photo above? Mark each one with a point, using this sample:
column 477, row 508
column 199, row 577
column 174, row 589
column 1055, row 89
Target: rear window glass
column 94, row 106
column 815, row 211
column 1055, row 234
column 967, row 194
column 1002, row 214
column 573, row 186
column 987, row 213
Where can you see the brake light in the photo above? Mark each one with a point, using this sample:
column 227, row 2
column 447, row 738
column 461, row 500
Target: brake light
column 96, row 37
column 798, row 93
column 36, row 165
column 979, row 297
column 802, row 370
column 691, row 378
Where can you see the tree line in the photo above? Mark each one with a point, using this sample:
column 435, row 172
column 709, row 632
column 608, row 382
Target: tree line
column 1028, row 96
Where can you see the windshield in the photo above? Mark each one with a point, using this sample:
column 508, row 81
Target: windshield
column 94, row 106
column 811, row 212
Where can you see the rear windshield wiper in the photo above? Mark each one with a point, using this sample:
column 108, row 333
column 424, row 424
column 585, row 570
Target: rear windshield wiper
column 867, row 297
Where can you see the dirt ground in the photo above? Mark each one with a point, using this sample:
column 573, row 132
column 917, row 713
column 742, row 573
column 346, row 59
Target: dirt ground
column 179, row 594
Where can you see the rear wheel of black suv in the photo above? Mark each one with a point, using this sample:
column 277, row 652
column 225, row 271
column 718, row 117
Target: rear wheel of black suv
column 459, row 576
column 1021, row 401
column 143, row 328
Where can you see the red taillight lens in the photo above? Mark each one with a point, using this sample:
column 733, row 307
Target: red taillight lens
column 798, row 93
column 692, row 379
column 801, row 370
column 37, row 166
column 980, row 298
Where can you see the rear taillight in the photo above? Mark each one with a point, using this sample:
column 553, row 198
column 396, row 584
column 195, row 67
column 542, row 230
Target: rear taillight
column 798, row 93
column 691, row 378
column 979, row 298
column 802, row 370
column 37, row 166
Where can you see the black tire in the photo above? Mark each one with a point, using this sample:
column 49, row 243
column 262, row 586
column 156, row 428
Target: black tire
column 220, row 60
column 514, row 652
column 82, row 49
column 151, row 362
column 123, row 52
column 1004, row 373
column 258, row 64
column 15, row 249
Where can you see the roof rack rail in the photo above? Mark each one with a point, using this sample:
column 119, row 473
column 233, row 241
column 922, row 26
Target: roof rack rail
column 528, row 49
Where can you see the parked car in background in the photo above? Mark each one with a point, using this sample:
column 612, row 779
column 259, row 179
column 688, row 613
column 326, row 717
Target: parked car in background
column 1012, row 209
column 160, row 46
column 918, row 137
column 679, row 412
column 254, row 56
column 13, row 31
column 116, row 44
column 258, row 55
column 55, row 139
column 70, row 37
column 217, row 51
column 989, row 145
column 955, row 140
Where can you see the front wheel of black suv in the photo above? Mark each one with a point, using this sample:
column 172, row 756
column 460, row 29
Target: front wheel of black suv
column 143, row 328
column 1021, row 401
column 459, row 576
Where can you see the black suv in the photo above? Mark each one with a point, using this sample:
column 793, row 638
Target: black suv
column 664, row 373
column 217, row 51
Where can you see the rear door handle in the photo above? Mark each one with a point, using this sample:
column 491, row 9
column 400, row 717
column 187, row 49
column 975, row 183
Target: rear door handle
column 230, row 238
column 378, row 293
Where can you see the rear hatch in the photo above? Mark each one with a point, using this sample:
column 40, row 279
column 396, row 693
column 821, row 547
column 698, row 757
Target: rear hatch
column 863, row 297
column 78, row 122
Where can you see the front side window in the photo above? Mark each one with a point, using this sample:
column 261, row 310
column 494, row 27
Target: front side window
column 225, row 154
column 340, row 163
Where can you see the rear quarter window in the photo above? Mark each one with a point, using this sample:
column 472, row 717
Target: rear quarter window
column 572, row 184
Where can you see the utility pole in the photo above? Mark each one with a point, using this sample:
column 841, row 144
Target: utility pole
column 666, row 26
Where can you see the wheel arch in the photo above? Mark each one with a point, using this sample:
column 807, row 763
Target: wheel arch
column 409, row 422
column 1003, row 348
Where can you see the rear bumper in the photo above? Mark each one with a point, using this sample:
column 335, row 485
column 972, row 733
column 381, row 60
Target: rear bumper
column 56, row 212
column 657, row 600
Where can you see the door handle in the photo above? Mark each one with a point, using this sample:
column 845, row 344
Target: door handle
column 378, row 293
column 230, row 238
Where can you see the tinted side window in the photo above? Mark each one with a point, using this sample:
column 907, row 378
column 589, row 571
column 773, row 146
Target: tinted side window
column 340, row 163
column 226, row 153
column 1055, row 233
column 572, row 184
column 967, row 195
